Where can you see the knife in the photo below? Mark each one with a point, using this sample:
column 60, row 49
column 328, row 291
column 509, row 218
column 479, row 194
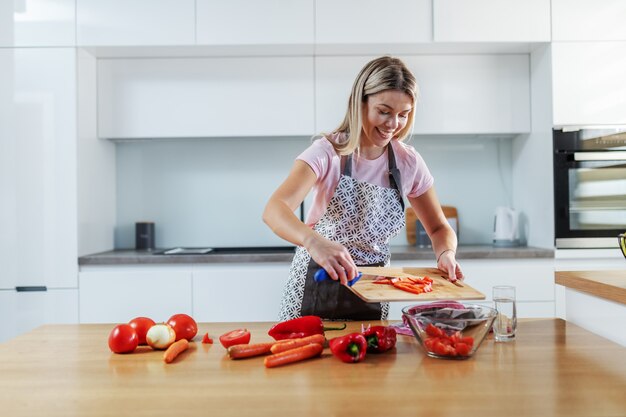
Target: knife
column 322, row 275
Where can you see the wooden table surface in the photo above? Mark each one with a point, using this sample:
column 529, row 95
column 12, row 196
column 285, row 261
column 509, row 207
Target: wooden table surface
column 610, row 285
column 553, row 368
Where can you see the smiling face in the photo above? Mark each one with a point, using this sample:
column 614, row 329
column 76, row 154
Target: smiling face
column 385, row 114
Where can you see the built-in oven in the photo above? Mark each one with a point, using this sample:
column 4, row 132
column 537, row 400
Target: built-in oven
column 589, row 186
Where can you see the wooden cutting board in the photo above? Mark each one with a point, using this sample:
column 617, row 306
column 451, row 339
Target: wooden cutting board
column 450, row 212
column 442, row 288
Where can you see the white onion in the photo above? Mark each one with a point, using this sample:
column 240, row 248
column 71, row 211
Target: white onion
column 160, row 336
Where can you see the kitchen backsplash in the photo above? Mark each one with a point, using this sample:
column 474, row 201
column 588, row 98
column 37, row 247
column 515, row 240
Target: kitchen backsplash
column 211, row 192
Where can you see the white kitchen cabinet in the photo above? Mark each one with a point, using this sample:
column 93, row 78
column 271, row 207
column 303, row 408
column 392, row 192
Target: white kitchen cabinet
column 238, row 292
column 603, row 317
column 533, row 280
column 135, row 22
column 253, row 22
column 37, row 23
column 38, row 243
column 589, row 259
column 118, row 294
column 23, row 311
column 588, row 20
column 491, row 20
column 204, row 97
column 459, row 94
column 588, row 84
column 368, row 22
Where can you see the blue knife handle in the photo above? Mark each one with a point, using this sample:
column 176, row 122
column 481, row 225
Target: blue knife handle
column 322, row 275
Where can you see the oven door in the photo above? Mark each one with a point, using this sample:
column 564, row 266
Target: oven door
column 590, row 198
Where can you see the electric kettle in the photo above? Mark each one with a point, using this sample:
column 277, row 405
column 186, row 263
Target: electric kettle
column 506, row 227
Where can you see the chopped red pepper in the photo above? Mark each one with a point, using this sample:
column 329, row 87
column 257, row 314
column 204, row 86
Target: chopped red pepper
column 206, row 338
column 350, row 348
column 300, row 327
column 409, row 284
column 408, row 287
column 380, row 338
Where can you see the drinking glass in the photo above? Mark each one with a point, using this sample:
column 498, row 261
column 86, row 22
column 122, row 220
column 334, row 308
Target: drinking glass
column 505, row 323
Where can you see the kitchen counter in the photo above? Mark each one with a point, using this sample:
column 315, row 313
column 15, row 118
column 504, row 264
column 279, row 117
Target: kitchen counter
column 398, row 253
column 553, row 368
column 594, row 300
column 610, row 285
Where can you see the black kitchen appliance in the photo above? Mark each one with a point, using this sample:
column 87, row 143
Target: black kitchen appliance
column 589, row 186
column 144, row 236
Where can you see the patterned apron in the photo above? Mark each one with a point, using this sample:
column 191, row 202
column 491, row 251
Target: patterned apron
column 363, row 217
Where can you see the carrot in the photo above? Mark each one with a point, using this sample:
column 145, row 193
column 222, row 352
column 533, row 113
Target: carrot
column 294, row 343
column 248, row 350
column 175, row 349
column 293, row 355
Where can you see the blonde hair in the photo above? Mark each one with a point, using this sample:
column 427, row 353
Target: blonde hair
column 380, row 74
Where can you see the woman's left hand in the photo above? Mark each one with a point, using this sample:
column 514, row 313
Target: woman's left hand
column 448, row 264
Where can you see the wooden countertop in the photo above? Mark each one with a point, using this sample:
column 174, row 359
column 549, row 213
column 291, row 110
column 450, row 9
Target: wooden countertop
column 610, row 285
column 553, row 369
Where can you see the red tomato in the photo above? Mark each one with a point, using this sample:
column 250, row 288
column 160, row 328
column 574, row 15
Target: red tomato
column 141, row 326
column 123, row 339
column 455, row 345
column 462, row 349
column 468, row 340
column 235, row 337
column 184, row 326
column 433, row 330
column 430, row 342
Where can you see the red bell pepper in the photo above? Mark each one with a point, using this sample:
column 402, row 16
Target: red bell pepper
column 350, row 348
column 300, row 327
column 380, row 338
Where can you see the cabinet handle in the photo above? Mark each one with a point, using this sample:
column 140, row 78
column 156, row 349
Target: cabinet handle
column 31, row 288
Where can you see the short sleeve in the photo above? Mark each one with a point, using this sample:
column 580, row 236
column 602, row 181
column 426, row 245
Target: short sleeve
column 319, row 156
column 416, row 176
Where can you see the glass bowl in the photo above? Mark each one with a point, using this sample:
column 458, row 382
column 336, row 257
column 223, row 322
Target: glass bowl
column 449, row 330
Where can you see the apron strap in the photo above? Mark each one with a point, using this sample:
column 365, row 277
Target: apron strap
column 347, row 166
column 395, row 179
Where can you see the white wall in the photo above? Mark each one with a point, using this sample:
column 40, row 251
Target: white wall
column 201, row 192
column 212, row 191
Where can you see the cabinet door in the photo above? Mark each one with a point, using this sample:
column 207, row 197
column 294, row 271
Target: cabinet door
column 135, row 22
column 459, row 94
column 491, row 20
column 359, row 22
column 238, row 292
column 253, row 22
column 116, row 295
column 38, row 167
column 588, row 260
column 588, row 84
column 37, row 23
column 204, row 97
column 588, row 20
column 23, row 311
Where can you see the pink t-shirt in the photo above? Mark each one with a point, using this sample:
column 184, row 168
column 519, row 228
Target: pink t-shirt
column 326, row 164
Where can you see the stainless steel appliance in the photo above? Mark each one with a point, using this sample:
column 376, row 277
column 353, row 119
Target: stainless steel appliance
column 589, row 186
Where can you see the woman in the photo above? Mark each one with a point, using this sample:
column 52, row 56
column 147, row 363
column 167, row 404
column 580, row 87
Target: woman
column 360, row 173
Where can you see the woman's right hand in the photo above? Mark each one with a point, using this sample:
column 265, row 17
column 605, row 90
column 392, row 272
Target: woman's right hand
column 333, row 257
